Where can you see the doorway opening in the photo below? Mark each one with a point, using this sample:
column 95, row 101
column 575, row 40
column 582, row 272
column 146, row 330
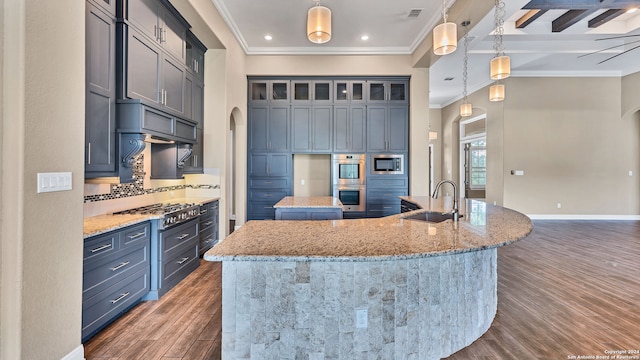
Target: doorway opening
column 232, row 174
column 473, row 157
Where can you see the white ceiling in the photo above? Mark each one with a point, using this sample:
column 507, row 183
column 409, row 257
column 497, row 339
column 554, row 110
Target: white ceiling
column 534, row 51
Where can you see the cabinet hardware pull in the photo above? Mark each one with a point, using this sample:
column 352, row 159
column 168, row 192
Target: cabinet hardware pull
column 155, row 31
column 208, row 240
column 120, row 266
column 89, row 154
column 183, row 260
column 387, row 207
column 208, row 223
column 182, row 236
column 101, row 248
column 268, row 182
column 122, row 296
column 268, row 195
column 163, row 36
column 137, row 235
column 203, row 211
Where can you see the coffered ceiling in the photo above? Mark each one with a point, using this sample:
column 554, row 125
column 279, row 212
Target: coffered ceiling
column 562, row 38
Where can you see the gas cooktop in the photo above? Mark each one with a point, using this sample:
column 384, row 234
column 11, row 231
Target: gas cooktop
column 172, row 213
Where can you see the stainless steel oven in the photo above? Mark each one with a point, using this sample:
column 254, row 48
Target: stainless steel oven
column 352, row 197
column 348, row 169
column 387, row 164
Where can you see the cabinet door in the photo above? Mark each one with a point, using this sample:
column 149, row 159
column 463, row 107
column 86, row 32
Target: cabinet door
column 321, row 130
column 279, row 129
column 188, row 96
column 100, row 92
column 194, row 164
column 258, row 92
column 301, row 91
column 143, row 68
column 377, row 92
column 301, row 128
column 143, row 14
column 349, row 91
column 279, row 165
column 279, row 91
column 376, row 128
column 258, row 128
column 341, row 128
column 357, row 126
column 198, row 102
column 108, row 5
column 258, row 165
column 398, row 129
column 173, row 75
column 173, row 36
column 398, row 92
column 322, row 91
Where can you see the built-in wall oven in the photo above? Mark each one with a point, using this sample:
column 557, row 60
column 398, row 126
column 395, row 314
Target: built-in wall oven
column 348, row 179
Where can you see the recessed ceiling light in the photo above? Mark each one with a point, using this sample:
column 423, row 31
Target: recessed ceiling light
column 268, row 37
column 632, row 10
column 364, row 37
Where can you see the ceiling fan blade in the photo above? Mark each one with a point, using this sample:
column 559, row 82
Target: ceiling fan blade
column 617, row 37
column 614, row 56
column 609, row 48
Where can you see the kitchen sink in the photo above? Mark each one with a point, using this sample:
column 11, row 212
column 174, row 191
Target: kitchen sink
column 431, row 216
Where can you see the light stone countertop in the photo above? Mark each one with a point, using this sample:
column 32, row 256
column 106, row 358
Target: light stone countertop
column 482, row 226
column 96, row 225
column 308, row 202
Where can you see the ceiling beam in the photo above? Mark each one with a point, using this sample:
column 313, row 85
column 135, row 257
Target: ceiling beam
column 529, row 17
column 605, row 17
column 569, row 18
column 580, row 4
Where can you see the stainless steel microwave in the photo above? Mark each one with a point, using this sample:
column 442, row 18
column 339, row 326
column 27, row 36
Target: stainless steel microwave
column 387, row 164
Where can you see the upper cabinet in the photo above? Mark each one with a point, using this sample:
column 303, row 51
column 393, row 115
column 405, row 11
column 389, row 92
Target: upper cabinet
column 269, row 91
column 100, row 92
column 108, row 5
column 388, row 92
column 312, row 92
column 195, row 56
column 350, row 91
column 160, row 22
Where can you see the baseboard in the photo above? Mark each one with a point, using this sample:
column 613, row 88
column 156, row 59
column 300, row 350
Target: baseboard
column 76, row 354
column 583, row 217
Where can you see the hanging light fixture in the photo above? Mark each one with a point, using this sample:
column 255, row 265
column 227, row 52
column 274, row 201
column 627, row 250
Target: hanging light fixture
column 500, row 64
column 496, row 92
column 466, row 109
column 319, row 24
column 445, row 36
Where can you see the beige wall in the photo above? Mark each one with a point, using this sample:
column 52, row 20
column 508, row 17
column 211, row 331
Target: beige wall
column 315, row 171
column 569, row 137
column 43, row 131
column 630, row 94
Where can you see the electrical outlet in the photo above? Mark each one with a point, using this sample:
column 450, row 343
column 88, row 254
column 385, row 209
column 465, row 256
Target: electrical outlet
column 302, row 182
column 559, row 205
column 362, row 316
column 630, row 173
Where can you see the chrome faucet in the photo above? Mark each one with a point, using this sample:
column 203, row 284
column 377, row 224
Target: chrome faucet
column 455, row 214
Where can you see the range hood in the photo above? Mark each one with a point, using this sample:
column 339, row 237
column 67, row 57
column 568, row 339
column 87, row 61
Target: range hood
column 139, row 124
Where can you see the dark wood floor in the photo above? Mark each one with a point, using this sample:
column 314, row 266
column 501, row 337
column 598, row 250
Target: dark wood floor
column 570, row 288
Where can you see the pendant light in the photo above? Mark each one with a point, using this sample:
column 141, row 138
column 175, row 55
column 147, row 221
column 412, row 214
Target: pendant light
column 319, row 24
column 445, row 36
column 466, row 109
column 496, row 92
column 500, row 64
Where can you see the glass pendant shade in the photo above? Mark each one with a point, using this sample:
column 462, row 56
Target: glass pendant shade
column 445, row 38
column 500, row 67
column 319, row 24
column 496, row 92
column 466, row 109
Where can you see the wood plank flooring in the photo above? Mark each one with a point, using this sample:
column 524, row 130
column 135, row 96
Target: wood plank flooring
column 571, row 288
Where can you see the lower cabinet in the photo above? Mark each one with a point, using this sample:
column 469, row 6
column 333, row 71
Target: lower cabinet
column 116, row 275
column 383, row 194
column 178, row 254
column 209, row 226
column 308, row 214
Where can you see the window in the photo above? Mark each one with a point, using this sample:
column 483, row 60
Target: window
column 478, row 163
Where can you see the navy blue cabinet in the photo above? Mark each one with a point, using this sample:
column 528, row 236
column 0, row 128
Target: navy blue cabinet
column 383, row 192
column 209, row 226
column 349, row 124
column 100, row 91
column 388, row 92
column 311, row 128
column 387, row 128
column 269, row 128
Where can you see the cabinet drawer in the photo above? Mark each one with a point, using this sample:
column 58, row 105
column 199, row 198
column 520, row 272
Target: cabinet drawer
column 384, row 211
column 207, row 240
column 267, row 196
column 386, row 196
column 179, row 264
column 156, row 121
column 206, row 223
column 100, row 246
column 135, row 235
column 387, row 208
column 104, row 306
column 268, row 183
column 261, row 211
column 185, row 130
column 174, row 237
column 106, row 273
column 377, row 182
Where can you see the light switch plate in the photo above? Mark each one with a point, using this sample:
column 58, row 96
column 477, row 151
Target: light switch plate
column 58, row 181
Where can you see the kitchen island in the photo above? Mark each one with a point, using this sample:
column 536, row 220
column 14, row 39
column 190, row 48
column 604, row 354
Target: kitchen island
column 308, row 208
column 348, row 289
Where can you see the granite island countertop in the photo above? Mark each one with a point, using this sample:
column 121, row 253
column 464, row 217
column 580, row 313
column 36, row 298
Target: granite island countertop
column 482, row 226
column 100, row 224
column 308, row 202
